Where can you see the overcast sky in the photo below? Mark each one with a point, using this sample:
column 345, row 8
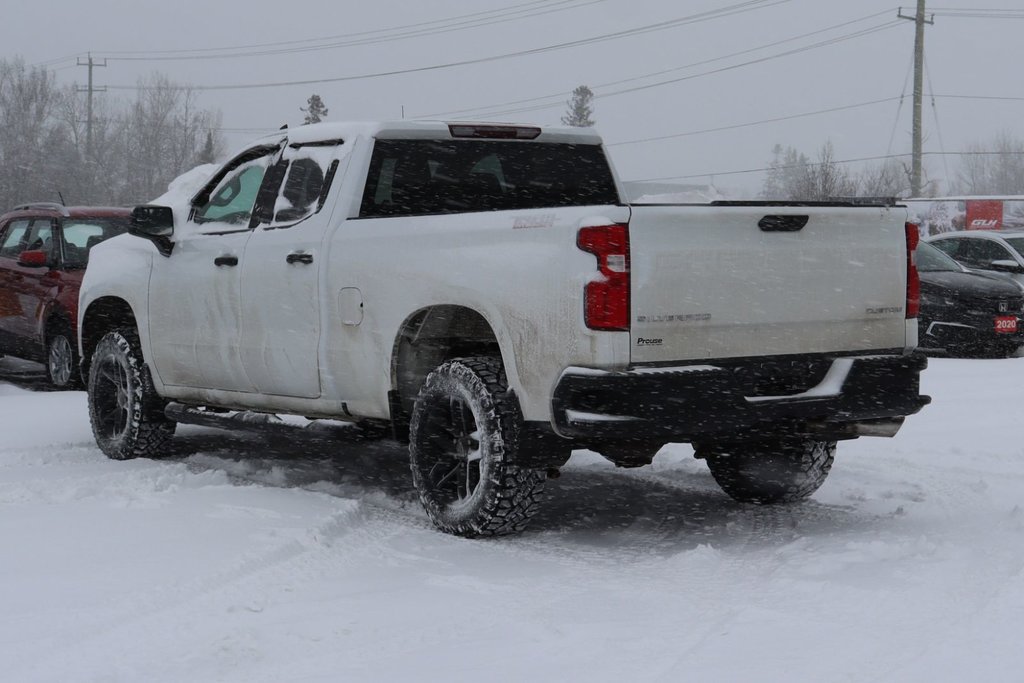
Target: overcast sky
column 969, row 58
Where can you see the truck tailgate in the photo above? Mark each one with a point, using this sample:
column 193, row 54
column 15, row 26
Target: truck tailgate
column 710, row 282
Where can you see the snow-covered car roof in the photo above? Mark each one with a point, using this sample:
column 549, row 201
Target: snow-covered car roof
column 998, row 234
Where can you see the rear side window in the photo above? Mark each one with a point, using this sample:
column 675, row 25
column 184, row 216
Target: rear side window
column 300, row 182
column 423, row 177
column 1017, row 243
column 982, row 252
column 79, row 236
column 949, row 246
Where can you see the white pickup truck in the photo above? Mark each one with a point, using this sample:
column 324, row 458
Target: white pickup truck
column 485, row 292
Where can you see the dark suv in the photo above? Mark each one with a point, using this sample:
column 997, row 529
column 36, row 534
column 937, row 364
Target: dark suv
column 44, row 249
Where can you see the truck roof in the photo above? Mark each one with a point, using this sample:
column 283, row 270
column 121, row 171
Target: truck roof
column 430, row 130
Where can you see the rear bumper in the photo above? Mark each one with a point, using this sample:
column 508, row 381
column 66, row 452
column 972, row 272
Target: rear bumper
column 721, row 399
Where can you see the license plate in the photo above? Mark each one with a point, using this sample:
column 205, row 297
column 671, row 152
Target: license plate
column 1006, row 324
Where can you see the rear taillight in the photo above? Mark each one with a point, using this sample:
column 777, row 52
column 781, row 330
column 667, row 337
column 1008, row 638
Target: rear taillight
column 913, row 280
column 606, row 298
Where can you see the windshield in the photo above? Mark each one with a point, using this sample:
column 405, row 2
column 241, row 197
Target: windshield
column 929, row 260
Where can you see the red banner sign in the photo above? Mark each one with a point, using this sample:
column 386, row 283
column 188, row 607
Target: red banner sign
column 984, row 214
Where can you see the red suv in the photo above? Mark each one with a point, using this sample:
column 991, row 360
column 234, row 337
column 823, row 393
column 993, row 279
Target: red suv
column 44, row 249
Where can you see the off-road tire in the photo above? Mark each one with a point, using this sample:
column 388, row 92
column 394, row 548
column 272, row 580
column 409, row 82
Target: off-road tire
column 463, row 414
column 769, row 472
column 62, row 361
column 126, row 413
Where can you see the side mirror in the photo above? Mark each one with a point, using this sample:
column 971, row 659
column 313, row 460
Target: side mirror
column 1006, row 266
column 33, row 259
column 155, row 223
column 152, row 221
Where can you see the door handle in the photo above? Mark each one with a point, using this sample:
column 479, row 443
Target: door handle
column 299, row 257
column 225, row 261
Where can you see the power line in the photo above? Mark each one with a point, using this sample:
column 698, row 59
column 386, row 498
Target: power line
column 58, row 60
column 739, row 8
column 754, row 123
column 126, row 54
column 299, row 41
column 880, row 157
column 711, row 72
column 899, row 109
column 971, row 13
column 272, row 128
column 633, row 79
column 978, row 16
column 350, row 40
column 981, row 97
column 935, row 115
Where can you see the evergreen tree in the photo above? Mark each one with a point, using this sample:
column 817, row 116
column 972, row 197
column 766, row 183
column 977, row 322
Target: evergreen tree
column 208, row 154
column 579, row 109
column 315, row 110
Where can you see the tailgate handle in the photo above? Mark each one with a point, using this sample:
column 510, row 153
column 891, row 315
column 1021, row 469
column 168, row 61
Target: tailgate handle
column 782, row 223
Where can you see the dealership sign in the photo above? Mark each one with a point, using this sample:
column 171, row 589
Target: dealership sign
column 984, row 214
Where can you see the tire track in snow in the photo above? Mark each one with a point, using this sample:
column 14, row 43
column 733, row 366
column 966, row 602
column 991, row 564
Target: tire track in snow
column 123, row 622
column 367, row 526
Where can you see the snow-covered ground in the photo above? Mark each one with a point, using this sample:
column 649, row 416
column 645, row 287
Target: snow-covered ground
column 230, row 561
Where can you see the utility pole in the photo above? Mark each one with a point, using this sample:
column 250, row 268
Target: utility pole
column 90, row 89
column 919, row 22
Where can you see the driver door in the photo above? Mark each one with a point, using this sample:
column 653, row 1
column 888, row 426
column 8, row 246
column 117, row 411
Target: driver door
column 27, row 288
column 281, row 276
column 195, row 315
column 13, row 241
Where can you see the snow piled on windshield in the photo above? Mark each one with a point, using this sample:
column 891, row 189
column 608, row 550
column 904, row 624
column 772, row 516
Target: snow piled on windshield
column 181, row 190
column 185, row 186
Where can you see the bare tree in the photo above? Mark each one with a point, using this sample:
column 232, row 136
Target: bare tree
column 993, row 167
column 827, row 179
column 138, row 147
column 29, row 101
column 793, row 176
column 161, row 135
column 889, row 178
column 786, row 171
